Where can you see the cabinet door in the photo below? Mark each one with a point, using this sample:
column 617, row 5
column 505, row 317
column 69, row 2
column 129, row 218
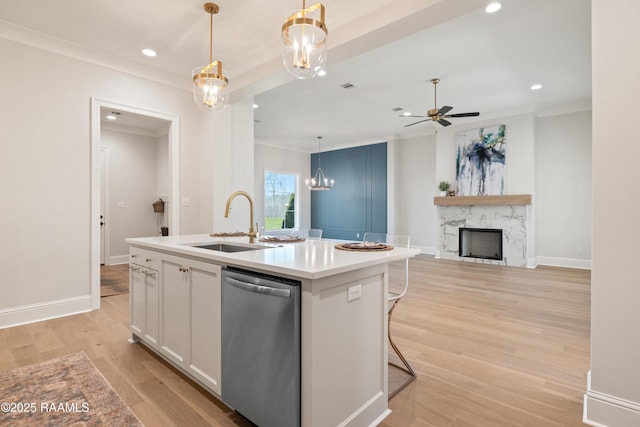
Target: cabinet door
column 137, row 316
column 151, row 307
column 204, row 345
column 143, row 303
column 174, row 308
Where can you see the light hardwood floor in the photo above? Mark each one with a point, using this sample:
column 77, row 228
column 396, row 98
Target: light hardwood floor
column 492, row 346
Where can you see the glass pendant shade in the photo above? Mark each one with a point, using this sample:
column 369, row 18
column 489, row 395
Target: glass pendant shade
column 210, row 87
column 304, row 42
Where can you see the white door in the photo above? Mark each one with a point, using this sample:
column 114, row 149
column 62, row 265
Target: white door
column 103, row 162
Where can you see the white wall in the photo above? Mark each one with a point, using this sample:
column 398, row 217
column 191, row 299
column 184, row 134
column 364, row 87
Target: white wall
column 45, row 172
column 520, row 136
column 613, row 396
column 226, row 165
column 133, row 172
column 414, row 188
column 163, row 181
column 563, row 190
column 282, row 160
column 550, row 159
column 519, row 151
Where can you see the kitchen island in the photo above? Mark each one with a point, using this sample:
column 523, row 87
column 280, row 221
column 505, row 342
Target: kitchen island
column 176, row 305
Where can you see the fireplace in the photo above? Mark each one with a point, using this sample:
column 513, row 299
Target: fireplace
column 512, row 214
column 484, row 243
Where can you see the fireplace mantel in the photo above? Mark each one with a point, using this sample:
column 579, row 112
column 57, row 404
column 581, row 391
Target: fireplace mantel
column 512, row 199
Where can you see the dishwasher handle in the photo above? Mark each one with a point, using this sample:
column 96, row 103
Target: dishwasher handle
column 265, row 290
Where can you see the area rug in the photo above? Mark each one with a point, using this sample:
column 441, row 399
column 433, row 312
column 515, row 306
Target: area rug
column 114, row 279
column 67, row 391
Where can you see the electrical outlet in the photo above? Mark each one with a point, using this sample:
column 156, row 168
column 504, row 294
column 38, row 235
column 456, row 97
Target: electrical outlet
column 354, row 293
column 357, row 235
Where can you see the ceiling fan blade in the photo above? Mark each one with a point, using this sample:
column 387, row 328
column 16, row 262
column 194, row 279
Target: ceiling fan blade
column 425, row 120
column 402, row 115
column 444, row 122
column 463, row 115
column 444, row 110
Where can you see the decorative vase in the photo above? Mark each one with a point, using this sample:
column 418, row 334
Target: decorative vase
column 443, row 193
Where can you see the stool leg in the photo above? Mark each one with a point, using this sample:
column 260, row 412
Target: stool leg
column 407, row 367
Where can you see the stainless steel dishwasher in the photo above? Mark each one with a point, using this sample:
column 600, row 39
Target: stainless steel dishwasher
column 261, row 347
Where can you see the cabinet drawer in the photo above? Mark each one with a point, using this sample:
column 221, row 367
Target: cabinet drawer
column 145, row 258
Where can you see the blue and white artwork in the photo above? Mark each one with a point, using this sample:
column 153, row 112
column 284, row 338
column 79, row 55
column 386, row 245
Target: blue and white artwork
column 480, row 161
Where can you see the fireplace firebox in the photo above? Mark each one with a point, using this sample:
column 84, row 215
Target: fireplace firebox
column 485, row 243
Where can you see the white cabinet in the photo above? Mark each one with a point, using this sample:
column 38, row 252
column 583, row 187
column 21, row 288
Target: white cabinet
column 174, row 308
column 190, row 294
column 204, row 356
column 143, row 295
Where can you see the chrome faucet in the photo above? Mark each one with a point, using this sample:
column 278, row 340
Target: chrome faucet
column 252, row 231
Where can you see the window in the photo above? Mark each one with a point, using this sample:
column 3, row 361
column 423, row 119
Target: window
column 280, row 190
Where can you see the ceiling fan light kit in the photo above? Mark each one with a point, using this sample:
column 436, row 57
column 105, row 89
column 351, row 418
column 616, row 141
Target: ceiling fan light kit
column 439, row 114
column 304, row 42
column 210, row 86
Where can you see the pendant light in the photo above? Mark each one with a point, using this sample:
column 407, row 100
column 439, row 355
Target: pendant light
column 319, row 182
column 210, row 86
column 304, row 42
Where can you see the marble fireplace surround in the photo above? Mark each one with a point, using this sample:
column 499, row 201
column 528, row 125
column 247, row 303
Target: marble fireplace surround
column 509, row 213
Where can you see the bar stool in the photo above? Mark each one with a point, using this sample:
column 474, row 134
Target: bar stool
column 393, row 297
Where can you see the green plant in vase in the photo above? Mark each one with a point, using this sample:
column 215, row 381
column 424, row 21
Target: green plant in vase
column 444, row 186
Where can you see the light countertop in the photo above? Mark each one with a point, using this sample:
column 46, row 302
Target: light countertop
column 310, row 259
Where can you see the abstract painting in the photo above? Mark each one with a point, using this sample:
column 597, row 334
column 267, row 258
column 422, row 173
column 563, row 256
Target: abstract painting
column 480, row 161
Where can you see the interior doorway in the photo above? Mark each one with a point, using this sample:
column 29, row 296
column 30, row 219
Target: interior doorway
column 104, row 191
column 99, row 212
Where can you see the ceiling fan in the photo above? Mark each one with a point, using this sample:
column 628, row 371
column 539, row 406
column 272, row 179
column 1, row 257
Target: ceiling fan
column 439, row 115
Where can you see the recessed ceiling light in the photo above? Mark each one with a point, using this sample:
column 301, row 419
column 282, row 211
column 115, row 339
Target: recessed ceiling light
column 406, row 113
column 322, row 73
column 255, row 105
column 149, row 52
column 111, row 117
column 536, row 86
column 493, row 7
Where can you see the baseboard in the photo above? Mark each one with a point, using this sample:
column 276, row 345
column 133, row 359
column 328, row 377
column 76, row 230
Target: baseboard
column 601, row 409
column 427, row 250
column 16, row 316
column 584, row 264
column 118, row 259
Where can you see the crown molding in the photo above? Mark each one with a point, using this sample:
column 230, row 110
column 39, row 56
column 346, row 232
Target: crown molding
column 80, row 52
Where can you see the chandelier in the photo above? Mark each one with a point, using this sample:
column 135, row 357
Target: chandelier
column 209, row 84
column 304, row 42
column 319, row 182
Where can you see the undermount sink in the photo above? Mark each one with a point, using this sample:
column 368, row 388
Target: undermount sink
column 229, row 247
